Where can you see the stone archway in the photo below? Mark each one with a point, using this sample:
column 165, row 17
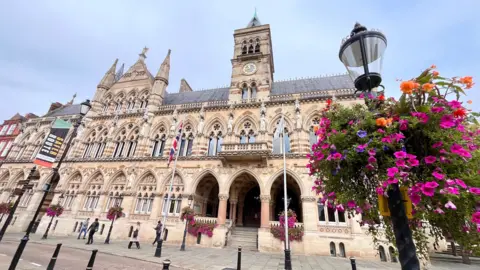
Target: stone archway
column 294, row 194
column 244, row 206
column 206, row 196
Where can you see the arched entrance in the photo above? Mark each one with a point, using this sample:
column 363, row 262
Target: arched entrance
column 244, row 201
column 293, row 198
column 206, row 197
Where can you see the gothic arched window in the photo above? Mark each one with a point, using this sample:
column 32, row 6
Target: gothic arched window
column 278, row 146
column 186, row 142
column 244, row 47
column 254, row 91
column 159, row 143
column 146, row 189
column 173, row 206
column 312, row 136
column 257, row 45
column 247, row 135
column 250, row 46
column 215, row 141
column 244, row 91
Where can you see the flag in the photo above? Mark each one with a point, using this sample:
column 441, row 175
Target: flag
column 279, row 128
column 174, row 145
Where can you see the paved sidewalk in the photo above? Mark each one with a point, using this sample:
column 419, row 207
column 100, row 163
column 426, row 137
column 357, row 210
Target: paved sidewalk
column 196, row 258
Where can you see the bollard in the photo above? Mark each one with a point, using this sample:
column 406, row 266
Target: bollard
column 239, row 258
column 166, row 264
column 158, row 250
column 53, row 260
column 92, row 259
column 352, row 262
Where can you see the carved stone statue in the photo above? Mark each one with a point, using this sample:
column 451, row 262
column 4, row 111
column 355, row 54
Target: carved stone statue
column 297, row 105
column 145, row 115
column 131, row 178
column 200, row 126
column 263, row 109
column 202, row 113
column 230, row 123
column 298, row 120
column 175, row 114
column 263, row 123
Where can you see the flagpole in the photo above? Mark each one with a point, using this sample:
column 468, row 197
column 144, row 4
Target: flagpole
column 171, row 181
column 288, row 262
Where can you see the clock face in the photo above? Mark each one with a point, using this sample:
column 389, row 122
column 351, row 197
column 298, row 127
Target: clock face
column 249, row 68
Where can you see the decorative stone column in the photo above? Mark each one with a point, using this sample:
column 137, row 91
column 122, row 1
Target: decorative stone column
column 272, row 210
column 309, row 205
column 156, row 206
column 240, row 214
column 233, row 207
column 222, row 209
column 265, row 216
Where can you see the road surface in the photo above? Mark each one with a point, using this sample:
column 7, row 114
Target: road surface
column 37, row 256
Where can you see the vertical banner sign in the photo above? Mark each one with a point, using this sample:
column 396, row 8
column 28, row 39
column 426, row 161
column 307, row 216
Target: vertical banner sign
column 52, row 144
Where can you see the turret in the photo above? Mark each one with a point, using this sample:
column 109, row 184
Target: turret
column 107, row 81
column 159, row 89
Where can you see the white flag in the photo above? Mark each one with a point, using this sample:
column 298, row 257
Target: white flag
column 279, row 128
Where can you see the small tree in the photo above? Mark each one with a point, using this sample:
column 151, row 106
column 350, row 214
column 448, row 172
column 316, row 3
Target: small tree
column 424, row 142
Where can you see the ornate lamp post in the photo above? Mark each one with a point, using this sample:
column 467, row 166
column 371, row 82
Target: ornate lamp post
column 182, row 247
column 84, row 108
column 362, row 54
column 45, row 235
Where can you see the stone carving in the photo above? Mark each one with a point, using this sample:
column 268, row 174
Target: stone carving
column 230, row 124
column 173, row 127
column 131, row 177
column 263, row 109
column 309, row 199
column 297, row 105
column 265, row 198
column 298, row 123
column 201, row 123
column 263, row 123
column 223, row 197
column 145, row 115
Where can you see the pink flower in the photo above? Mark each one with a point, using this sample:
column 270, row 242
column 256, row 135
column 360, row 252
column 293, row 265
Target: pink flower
column 380, row 130
column 415, row 198
column 430, row 159
column 450, row 182
column 439, row 211
column 460, row 128
column 422, row 117
column 331, row 194
column 320, row 156
column 340, row 208
column 450, row 205
column 350, row 122
column 476, row 217
column 452, row 190
column 429, row 188
column 437, row 109
column 413, row 162
column 380, row 191
column 369, row 167
column 447, row 121
column 437, row 144
column 361, row 148
column 438, row 175
column 400, row 154
column 392, row 171
column 459, row 150
column 454, row 104
column 461, row 183
column 403, row 124
column 400, row 163
column 398, row 136
column 337, row 156
column 371, row 152
column 351, row 204
column 387, row 139
column 392, row 180
column 372, row 159
column 325, row 146
column 475, row 190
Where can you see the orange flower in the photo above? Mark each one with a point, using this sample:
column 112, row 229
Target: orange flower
column 435, row 73
column 381, row 122
column 407, row 87
column 469, row 102
column 427, row 87
column 433, row 67
column 389, row 121
column 468, row 81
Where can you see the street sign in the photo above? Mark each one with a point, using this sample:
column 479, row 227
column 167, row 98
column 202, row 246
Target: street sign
column 52, row 144
column 383, row 204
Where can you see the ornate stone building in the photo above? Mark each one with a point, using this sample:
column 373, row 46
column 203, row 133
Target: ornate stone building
column 230, row 159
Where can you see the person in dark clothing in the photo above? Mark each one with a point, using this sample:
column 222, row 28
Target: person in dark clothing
column 92, row 230
column 158, row 230
column 135, row 237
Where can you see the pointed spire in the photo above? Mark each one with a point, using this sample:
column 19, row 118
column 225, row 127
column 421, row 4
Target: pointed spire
column 164, row 70
column 254, row 21
column 109, row 79
column 73, row 99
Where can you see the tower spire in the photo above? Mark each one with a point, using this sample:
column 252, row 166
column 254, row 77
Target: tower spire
column 109, row 78
column 254, row 21
column 164, row 70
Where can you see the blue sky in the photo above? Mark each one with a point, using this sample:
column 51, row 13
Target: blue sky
column 51, row 49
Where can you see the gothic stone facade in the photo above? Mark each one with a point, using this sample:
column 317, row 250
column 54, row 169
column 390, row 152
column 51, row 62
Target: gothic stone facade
column 230, row 160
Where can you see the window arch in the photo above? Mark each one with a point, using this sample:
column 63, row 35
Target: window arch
column 312, row 136
column 126, row 146
column 381, row 251
column 215, row 140
column 93, row 190
column 38, row 145
column 145, row 195
column 333, row 249
column 249, row 92
column 173, row 207
column 253, row 91
column 341, row 247
column 72, row 190
column 278, row 147
column 330, row 215
column 244, row 91
column 244, row 47
column 115, row 192
column 158, row 144
column 257, row 45
column 186, row 142
column 247, row 135
column 22, row 147
column 250, row 46
column 95, row 145
column 393, row 257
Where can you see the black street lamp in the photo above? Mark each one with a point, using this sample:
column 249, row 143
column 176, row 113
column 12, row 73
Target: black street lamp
column 84, row 108
column 19, row 192
column 182, row 247
column 362, row 54
column 107, row 240
column 45, row 235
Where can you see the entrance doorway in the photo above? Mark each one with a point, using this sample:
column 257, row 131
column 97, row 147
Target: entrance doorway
column 245, row 205
column 293, row 197
column 252, row 208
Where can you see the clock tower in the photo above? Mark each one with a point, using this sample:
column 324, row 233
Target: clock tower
column 252, row 63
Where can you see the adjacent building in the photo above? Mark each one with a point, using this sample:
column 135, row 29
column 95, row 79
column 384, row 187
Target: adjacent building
column 230, row 156
column 9, row 130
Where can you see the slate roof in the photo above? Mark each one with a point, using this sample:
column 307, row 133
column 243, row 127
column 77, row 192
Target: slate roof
column 65, row 110
column 279, row 88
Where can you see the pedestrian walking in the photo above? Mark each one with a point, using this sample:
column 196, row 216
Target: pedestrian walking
column 92, row 230
column 158, row 231
column 83, row 228
column 134, row 238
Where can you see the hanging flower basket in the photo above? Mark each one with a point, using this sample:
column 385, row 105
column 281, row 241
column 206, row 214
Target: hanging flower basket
column 427, row 143
column 187, row 213
column 5, row 208
column 294, row 233
column 55, row 210
column 114, row 212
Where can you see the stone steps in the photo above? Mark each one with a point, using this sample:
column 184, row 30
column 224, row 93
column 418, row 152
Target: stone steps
column 244, row 237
